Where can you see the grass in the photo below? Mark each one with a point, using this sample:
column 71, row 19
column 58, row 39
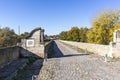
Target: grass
column 47, row 42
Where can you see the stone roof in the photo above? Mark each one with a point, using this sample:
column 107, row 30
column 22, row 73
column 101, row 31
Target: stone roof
column 30, row 34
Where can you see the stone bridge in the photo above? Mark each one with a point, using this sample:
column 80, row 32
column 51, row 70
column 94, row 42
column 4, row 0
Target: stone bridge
column 66, row 60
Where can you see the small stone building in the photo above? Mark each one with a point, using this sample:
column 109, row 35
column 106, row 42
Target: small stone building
column 33, row 44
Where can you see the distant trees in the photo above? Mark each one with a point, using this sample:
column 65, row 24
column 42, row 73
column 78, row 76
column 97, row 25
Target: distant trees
column 7, row 37
column 22, row 36
column 101, row 32
column 63, row 35
column 74, row 34
column 83, row 34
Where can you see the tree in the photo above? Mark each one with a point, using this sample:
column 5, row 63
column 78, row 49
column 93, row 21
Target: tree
column 63, row 35
column 102, row 26
column 22, row 36
column 73, row 34
column 7, row 37
column 83, row 34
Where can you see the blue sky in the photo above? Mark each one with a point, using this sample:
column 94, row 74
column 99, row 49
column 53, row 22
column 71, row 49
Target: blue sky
column 52, row 15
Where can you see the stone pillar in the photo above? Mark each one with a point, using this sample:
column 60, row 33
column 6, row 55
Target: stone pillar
column 118, row 36
column 42, row 36
column 115, row 45
column 115, row 36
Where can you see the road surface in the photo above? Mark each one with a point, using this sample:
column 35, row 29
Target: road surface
column 68, row 64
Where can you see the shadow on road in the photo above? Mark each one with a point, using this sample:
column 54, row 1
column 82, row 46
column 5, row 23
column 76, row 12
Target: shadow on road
column 57, row 53
column 32, row 68
column 75, row 55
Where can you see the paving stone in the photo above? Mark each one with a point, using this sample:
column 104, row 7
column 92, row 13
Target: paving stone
column 79, row 67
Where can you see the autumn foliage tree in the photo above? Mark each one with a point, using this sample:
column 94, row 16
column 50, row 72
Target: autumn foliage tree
column 101, row 31
column 73, row 34
column 103, row 26
column 83, row 34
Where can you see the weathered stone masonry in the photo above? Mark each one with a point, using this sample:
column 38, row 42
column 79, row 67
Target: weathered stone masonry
column 112, row 50
column 9, row 54
column 34, row 43
column 115, row 45
column 95, row 48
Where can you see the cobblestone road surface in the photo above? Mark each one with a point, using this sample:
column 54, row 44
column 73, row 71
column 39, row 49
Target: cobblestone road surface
column 77, row 66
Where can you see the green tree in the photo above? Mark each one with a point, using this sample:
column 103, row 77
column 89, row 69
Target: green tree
column 22, row 36
column 73, row 34
column 7, row 37
column 63, row 35
column 83, row 34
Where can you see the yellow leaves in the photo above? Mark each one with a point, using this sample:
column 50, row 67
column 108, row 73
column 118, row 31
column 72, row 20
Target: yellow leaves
column 101, row 32
column 73, row 34
column 103, row 26
column 117, row 26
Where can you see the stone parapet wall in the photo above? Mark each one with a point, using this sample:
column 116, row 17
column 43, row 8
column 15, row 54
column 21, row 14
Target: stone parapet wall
column 36, row 38
column 48, row 47
column 8, row 54
column 39, row 51
column 95, row 48
column 33, row 51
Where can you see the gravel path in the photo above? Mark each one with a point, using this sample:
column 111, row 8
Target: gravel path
column 77, row 66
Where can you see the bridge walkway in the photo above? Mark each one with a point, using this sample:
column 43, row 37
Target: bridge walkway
column 72, row 65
